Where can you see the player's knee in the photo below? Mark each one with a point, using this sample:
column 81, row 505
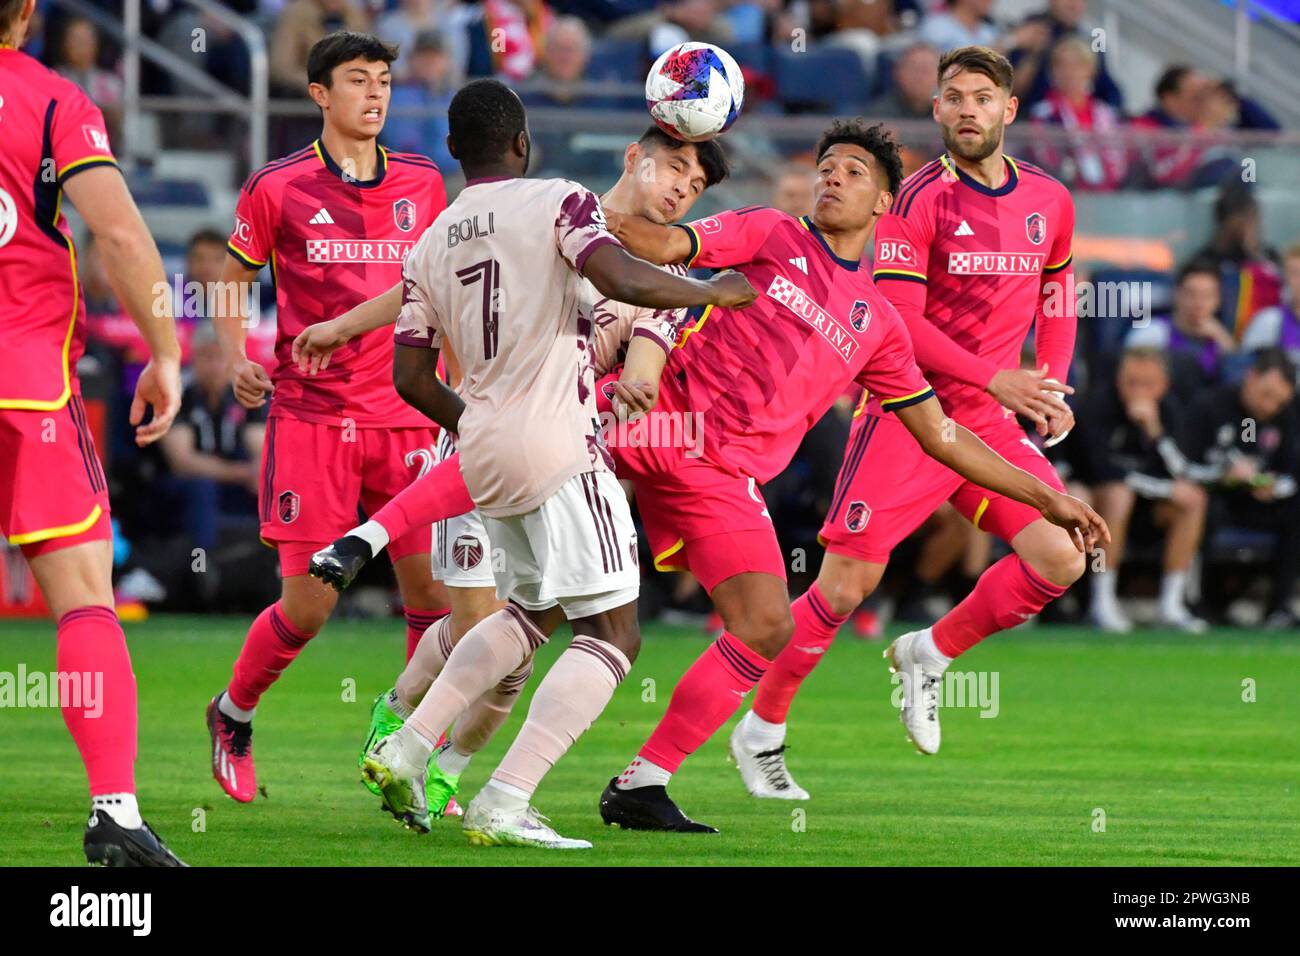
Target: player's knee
column 765, row 630
column 306, row 615
column 845, row 589
column 1060, row 562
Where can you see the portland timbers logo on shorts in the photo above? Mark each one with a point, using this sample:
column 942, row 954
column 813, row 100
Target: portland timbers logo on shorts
column 1036, row 227
column 404, row 214
column 860, row 315
column 856, row 516
column 631, row 549
column 288, row 506
column 467, row 552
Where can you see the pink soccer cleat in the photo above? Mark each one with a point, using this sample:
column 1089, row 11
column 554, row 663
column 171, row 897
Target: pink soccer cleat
column 232, row 754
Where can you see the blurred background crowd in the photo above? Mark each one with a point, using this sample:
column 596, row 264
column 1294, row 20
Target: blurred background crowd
column 1182, row 154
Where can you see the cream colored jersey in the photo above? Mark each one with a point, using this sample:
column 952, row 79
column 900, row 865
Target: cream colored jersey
column 498, row 276
column 617, row 323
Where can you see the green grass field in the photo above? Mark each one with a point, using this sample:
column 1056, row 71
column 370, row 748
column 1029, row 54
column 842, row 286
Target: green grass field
column 1151, row 730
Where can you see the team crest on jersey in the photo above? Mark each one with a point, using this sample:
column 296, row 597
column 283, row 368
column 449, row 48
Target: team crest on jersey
column 860, row 315
column 608, row 389
column 404, row 214
column 467, row 552
column 288, row 506
column 1036, row 227
column 856, row 516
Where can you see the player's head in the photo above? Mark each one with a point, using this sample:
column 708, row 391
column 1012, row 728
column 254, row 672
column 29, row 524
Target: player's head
column 1142, row 375
column 859, row 170
column 1269, row 384
column 14, row 15
column 348, row 77
column 974, row 103
column 668, row 175
column 487, row 129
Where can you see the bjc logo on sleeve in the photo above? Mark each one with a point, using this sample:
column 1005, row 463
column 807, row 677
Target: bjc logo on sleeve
column 894, row 250
column 242, row 232
column 96, row 138
column 710, row 225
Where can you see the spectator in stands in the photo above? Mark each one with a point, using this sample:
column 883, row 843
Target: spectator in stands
column 1031, row 45
column 1248, row 436
column 1278, row 326
column 1251, row 279
column 911, row 94
column 1192, row 335
column 505, row 37
column 1094, row 160
column 213, row 449
column 963, row 23
column 565, row 56
column 431, row 81
column 410, row 18
column 1128, row 450
column 793, row 192
column 76, row 57
column 302, row 23
column 673, row 22
column 1180, row 96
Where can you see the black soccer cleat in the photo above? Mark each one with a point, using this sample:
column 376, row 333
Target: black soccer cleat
column 646, row 808
column 339, row 564
column 108, row 844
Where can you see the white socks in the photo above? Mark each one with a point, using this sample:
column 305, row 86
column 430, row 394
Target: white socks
column 452, row 761
column 923, row 645
column 1173, row 593
column 643, row 773
column 760, row 735
column 373, row 534
column 396, row 705
column 504, row 796
column 227, row 707
column 121, row 807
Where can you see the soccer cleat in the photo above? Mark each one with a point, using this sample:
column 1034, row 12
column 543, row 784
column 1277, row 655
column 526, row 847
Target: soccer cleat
column 382, row 723
column 401, row 783
column 646, row 808
column 486, row 825
column 1109, row 618
column 440, row 790
column 232, row 754
column 1180, row 618
column 107, row 843
column 921, row 680
column 339, row 563
column 764, row 772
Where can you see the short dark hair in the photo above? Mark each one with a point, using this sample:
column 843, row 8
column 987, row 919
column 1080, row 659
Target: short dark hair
column 1171, row 79
column 9, row 10
column 483, row 120
column 329, row 51
column 710, row 154
column 1198, row 267
column 1274, row 359
column 875, row 139
column 977, row 59
column 206, row 234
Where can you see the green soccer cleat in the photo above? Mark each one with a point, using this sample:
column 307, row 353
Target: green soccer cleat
column 440, row 790
column 382, row 723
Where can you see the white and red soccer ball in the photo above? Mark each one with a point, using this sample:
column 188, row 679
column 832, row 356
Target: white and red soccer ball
column 694, row 91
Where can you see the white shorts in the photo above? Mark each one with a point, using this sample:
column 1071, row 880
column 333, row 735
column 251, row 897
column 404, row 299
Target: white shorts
column 462, row 553
column 577, row 550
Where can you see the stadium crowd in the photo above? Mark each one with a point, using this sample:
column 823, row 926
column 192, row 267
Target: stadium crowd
column 1188, row 438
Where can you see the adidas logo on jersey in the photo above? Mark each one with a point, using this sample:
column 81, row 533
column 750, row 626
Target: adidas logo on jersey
column 800, row 263
column 964, row 229
column 322, row 218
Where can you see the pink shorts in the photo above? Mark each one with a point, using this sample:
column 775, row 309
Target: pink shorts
column 53, row 493
column 888, row 486
column 699, row 517
column 316, row 476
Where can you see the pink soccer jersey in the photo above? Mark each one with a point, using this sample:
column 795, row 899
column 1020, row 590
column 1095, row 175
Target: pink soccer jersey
column 975, row 267
column 333, row 242
column 762, row 376
column 52, row 132
column 499, row 277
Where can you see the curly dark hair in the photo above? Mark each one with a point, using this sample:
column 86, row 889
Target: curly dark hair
column 874, row 138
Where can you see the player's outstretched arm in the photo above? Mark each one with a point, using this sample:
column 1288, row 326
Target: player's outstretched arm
column 637, row 387
column 316, row 343
column 135, row 272
column 959, row 449
column 415, row 376
column 625, row 278
column 662, row 245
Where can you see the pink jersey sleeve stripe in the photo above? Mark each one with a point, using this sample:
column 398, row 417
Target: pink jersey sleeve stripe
column 894, row 404
column 1060, row 265
column 81, row 165
column 902, row 274
column 244, row 257
column 695, row 242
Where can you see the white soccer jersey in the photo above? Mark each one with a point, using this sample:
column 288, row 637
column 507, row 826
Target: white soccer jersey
column 498, row 274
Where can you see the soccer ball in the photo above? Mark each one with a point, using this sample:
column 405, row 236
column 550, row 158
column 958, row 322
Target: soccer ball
column 694, row 91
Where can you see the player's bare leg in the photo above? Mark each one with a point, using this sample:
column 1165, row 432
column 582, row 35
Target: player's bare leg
column 1114, row 502
column 275, row 639
column 77, row 585
column 755, row 610
column 1183, row 519
column 758, row 740
column 572, row 695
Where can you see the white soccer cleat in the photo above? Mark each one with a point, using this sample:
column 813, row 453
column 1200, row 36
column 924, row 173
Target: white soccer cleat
column 922, row 680
column 764, row 771
column 487, row 825
column 1109, row 618
column 1177, row 616
column 400, row 779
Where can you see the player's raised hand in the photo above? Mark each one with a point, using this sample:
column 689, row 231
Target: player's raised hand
column 1086, row 527
column 251, row 383
column 158, row 387
column 732, row 290
column 1029, row 392
column 316, row 343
